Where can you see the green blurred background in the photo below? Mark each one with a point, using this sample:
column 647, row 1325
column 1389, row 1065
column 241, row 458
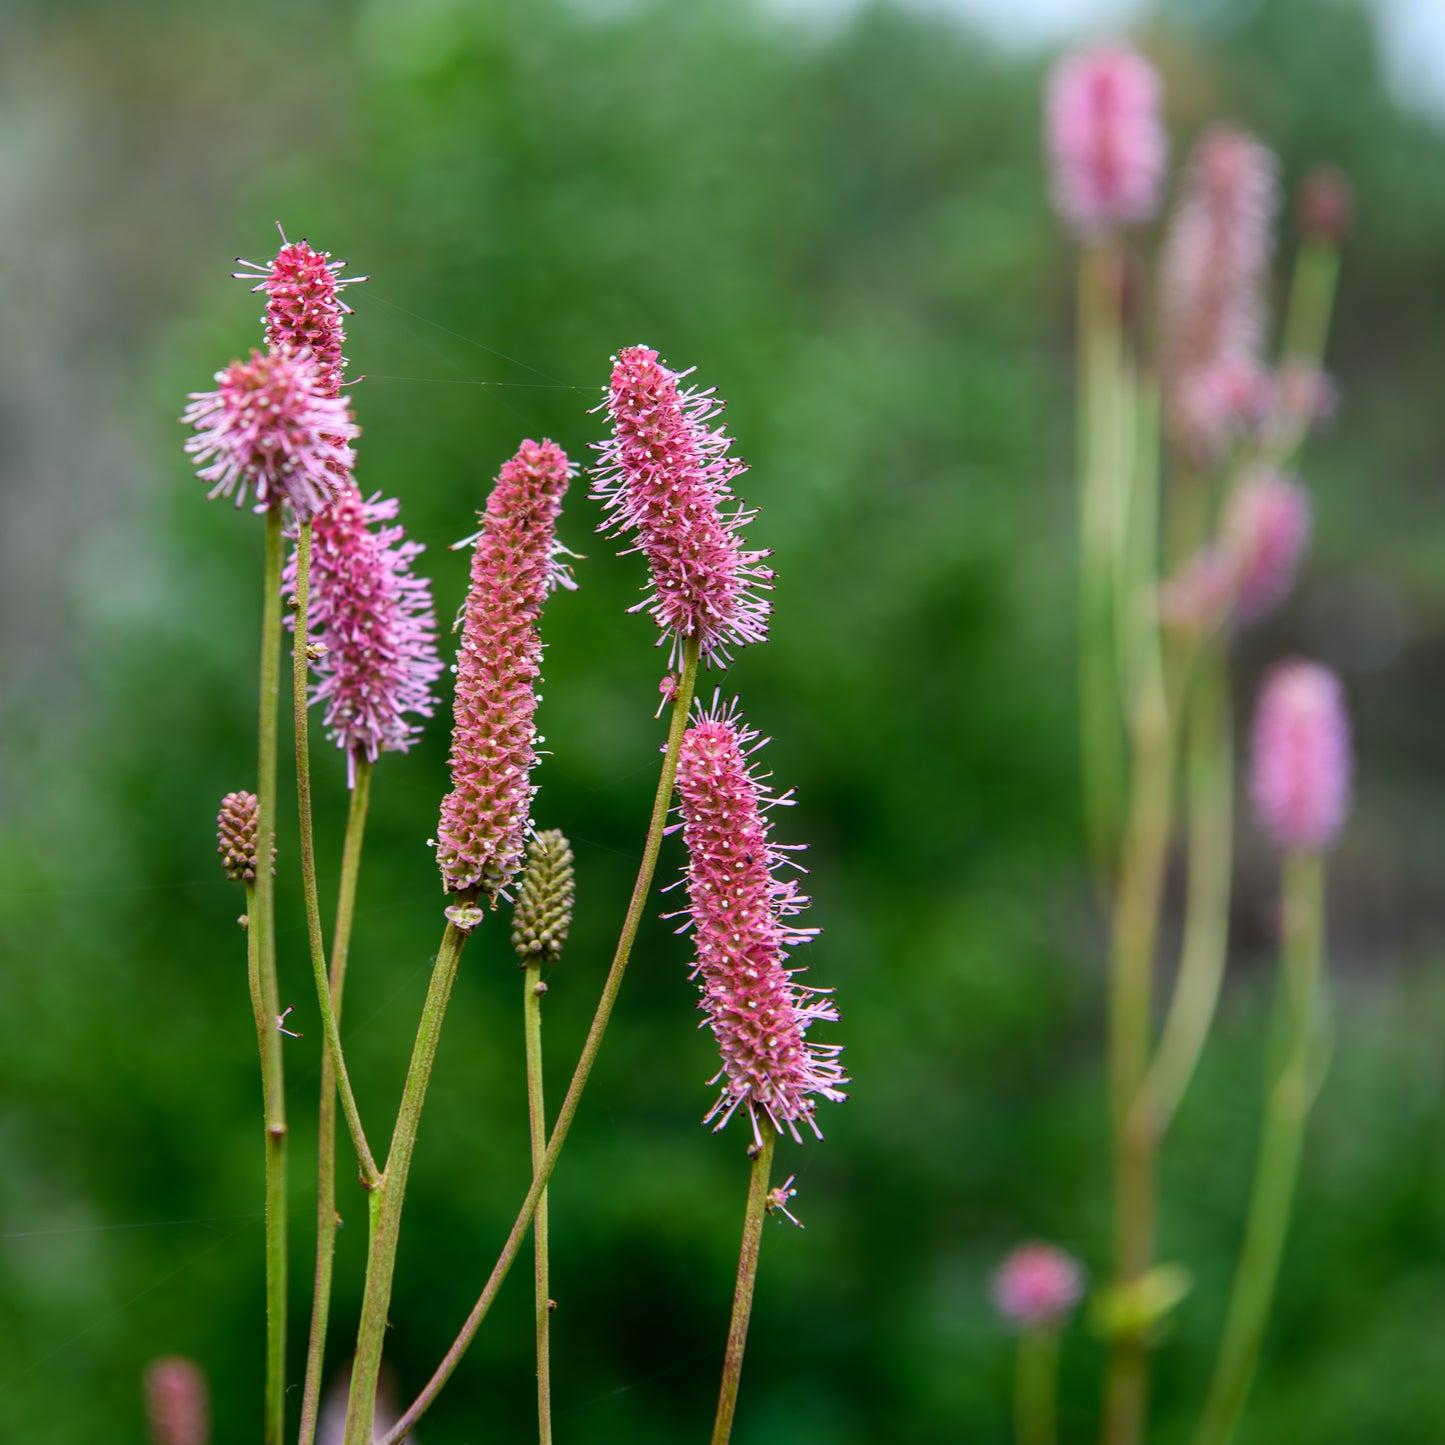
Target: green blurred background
column 840, row 220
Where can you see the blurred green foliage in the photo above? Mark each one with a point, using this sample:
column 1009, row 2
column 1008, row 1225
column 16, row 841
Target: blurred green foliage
column 844, row 228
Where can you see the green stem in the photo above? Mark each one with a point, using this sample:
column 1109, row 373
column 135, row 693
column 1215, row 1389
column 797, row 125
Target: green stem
column 1036, row 1386
column 265, row 992
column 326, row 1218
column 369, row 1172
column 747, row 1277
column 1210, row 785
column 532, row 991
column 389, row 1192
column 682, row 700
column 1306, row 329
column 1287, row 1105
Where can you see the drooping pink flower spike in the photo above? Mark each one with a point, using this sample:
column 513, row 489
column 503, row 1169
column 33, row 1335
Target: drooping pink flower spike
column 269, row 430
column 1266, row 528
column 485, row 818
column 666, row 475
column 1036, row 1286
column 304, row 308
column 372, row 621
column 1302, row 760
column 1105, row 140
column 738, row 910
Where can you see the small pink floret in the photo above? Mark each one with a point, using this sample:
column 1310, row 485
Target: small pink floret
column 1267, row 526
column 1105, row 141
column 1302, row 758
column 738, row 909
column 1036, row 1286
column 270, row 430
column 178, row 1410
column 666, row 474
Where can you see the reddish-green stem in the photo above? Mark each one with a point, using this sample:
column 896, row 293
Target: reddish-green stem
column 532, row 990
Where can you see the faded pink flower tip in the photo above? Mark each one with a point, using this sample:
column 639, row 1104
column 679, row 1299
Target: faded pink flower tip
column 304, row 308
column 1036, row 1286
column 1104, row 139
column 667, row 475
column 484, row 819
column 738, row 910
column 1267, row 526
column 270, row 429
column 1221, row 402
column 375, row 619
column 1199, row 595
column 178, row 1409
column 1214, row 267
column 1302, row 760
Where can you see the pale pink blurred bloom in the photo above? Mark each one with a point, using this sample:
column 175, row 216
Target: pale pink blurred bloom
column 1304, row 396
column 1037, row 1286
column 1302, row 759
column 270, row 429
column 1105, row 141
column 738, row 909
column 178, row 1410
column 1266, row 529
column 1198, row 597
column 375, row 620
column 1221, row 403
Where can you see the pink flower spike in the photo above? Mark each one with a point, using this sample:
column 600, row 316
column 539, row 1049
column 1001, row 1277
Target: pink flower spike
column 485, row 817
column 304, row 308
column 1104, row 139
column 1302, row 760
column 1266, row 526
column 1198, row 597
column 270, row 429
column 666, row 474
column 738, row 910
column 178, row 1409
column 1036, row 1286
column 375, row 620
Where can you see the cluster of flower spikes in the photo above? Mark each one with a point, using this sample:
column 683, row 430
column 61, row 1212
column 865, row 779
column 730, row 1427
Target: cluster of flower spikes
column 1105, row 139
column 1213, row 272
column 666, row 475
column 485, row 818
column 738, row 910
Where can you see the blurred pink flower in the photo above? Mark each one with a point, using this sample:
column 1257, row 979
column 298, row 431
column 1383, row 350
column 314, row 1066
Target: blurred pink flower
column 1266, row 527
column 738, row 909
column 1036, row 1286
column 178, row 1410
column 1104, row 139
column 1302, row 761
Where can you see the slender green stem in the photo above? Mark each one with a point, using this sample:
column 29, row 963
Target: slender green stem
column 1036, row 1386
column 369, row 1172
column 1311, row 302
column 1210, row 788
column 532, row 990
column 265, row 993
column 682, row 700
column 389, row 1193
column 326, row 1217
column 1287, row 1105
column 727, row 1402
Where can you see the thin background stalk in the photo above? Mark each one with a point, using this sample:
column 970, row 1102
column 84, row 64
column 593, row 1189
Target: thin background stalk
column 681, row 702
column 727, row 1403
column 1036, row 1386
column 532, row 990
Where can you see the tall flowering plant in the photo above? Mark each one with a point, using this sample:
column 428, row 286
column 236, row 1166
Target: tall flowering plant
column 278, row 432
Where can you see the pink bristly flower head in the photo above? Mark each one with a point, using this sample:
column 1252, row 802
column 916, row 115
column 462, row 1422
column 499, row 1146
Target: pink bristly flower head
column 1266, row 528
column 1302, row 759
column 1104, row 138
column 1036, row 1286
column 485, row 817
column 666, row 475
column 178, row 1410
column 375, row 621
column 270, row 429
column 304, row 309
column 1215, row 263
column 738, row 910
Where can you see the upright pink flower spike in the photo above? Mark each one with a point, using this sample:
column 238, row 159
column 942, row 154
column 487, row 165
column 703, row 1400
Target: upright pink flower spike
column 1105, row 140
column 667, row 475
column 269, row 429
column 304, row 308
column 1036, row 1286
column 375, row 620
column 485, row 817
column 1302, row 762
column 737, row 909
column 1266, row 527
column 178, row 1410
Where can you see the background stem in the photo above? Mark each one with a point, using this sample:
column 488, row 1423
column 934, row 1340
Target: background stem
column 747, row 1276
column 1036, row 1386
column 532, row 990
